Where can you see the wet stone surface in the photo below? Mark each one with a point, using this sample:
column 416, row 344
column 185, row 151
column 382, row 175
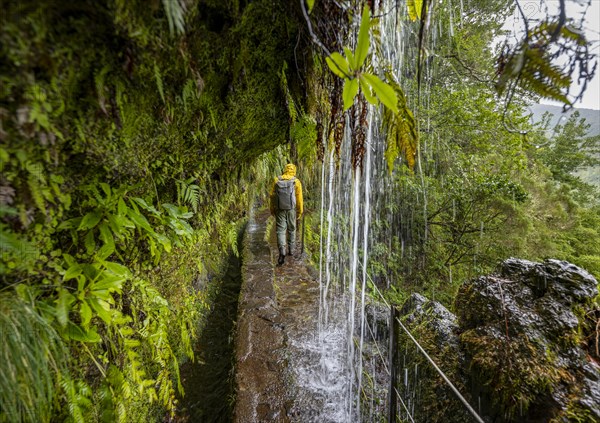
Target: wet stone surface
column 278, row 310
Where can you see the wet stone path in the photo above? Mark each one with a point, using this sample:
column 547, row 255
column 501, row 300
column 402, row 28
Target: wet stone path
column 278, row 311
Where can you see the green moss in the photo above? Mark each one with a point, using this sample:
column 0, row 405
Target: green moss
column 517, row 371
column 104, row 100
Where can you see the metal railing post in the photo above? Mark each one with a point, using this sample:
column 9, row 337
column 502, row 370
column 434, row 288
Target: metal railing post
column 393, row 355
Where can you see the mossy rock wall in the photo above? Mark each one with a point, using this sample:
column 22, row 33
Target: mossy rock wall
column 133, row 137
column 522, row 346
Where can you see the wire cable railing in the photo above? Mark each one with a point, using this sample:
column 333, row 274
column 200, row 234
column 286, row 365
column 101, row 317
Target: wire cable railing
column 444, row 377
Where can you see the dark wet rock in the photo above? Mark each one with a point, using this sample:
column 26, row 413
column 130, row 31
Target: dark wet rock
column 522, row 330
column 560, row 279
column 522, row 344
column 436, row 329
column 436, row 319
column 377, row 316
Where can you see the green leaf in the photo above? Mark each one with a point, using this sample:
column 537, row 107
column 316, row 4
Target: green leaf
column 402, row 136
column 70, row 224
column 310, row 4
column 147, row 206
column 171, row 209
column 72, row 272
column 77, row 333
column 69, row 259
column 90, row 242
column 350, row 59
column 159, row 82
column 362, row 47
column 122, row 207
column 165, row 242
column 63, row 306
column 81, row 279
column 114, row 283
column 101, row 294
column 105, row 251
column 383, row 91
column 414, row 9
column 154, row 252
column 139, row 220
column 141, row 202
column 106, row 188
column 350, row 90
column 90, row 220
column 121, row 220
column 118, row 269
column 102, row 309
column 85, row 312
column 109, row 243
column 338, row 65
column 366, row 90
column 106, row 235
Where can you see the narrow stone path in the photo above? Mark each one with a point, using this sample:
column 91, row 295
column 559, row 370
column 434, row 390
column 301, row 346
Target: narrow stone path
column 278, row 307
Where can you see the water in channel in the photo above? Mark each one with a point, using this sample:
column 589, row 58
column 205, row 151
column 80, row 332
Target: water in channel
column 208, row 381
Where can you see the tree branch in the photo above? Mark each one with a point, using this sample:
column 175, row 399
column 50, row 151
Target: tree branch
column 310, row 30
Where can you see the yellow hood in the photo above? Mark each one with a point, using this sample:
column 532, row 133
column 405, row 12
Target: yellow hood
column 289, row 171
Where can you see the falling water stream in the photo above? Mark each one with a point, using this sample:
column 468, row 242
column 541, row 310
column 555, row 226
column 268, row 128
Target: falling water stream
column 351, row 376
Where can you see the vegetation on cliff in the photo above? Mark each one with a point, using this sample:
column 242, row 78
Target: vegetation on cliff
column 130, row 133
column 134, row 135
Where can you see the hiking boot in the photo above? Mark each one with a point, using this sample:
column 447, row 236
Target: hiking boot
column 290, row 251
column 281, row 258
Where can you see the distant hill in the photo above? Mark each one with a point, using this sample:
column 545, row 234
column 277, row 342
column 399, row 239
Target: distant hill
column 592, row 117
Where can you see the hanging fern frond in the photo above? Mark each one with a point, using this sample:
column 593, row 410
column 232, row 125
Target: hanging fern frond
column 175, row 11
column 289, row 100
column 401, row 132
column 159, row 82
column 232, row 238
column 99, row 82
column 32, row 359
column 36, row 182
column 533, row 64
column 303, row 132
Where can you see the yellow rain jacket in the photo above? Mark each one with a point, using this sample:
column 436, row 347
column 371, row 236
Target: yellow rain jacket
column 289, row 173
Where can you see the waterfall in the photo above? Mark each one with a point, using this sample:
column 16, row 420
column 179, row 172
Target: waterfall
column 351, row 199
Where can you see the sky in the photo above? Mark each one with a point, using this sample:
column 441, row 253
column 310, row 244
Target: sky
column 536, row 9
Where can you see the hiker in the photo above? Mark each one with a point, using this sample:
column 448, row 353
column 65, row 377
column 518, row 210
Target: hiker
column 286, row 205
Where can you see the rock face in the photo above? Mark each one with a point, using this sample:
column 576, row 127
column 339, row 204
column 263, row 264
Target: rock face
column 420, row 387
column 524, row 342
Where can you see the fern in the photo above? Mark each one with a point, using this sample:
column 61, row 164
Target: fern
column 289, row 100
column 37, row 183
column 16, row 250
column 159, row 81
column 188, row 193
column 78, row 398
column 175, row 11
column 32, row 360
column 99, row 82
column 231, row 237
column 402, row 137
column 304, row 133
column 189, row 94
column 530, row 64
